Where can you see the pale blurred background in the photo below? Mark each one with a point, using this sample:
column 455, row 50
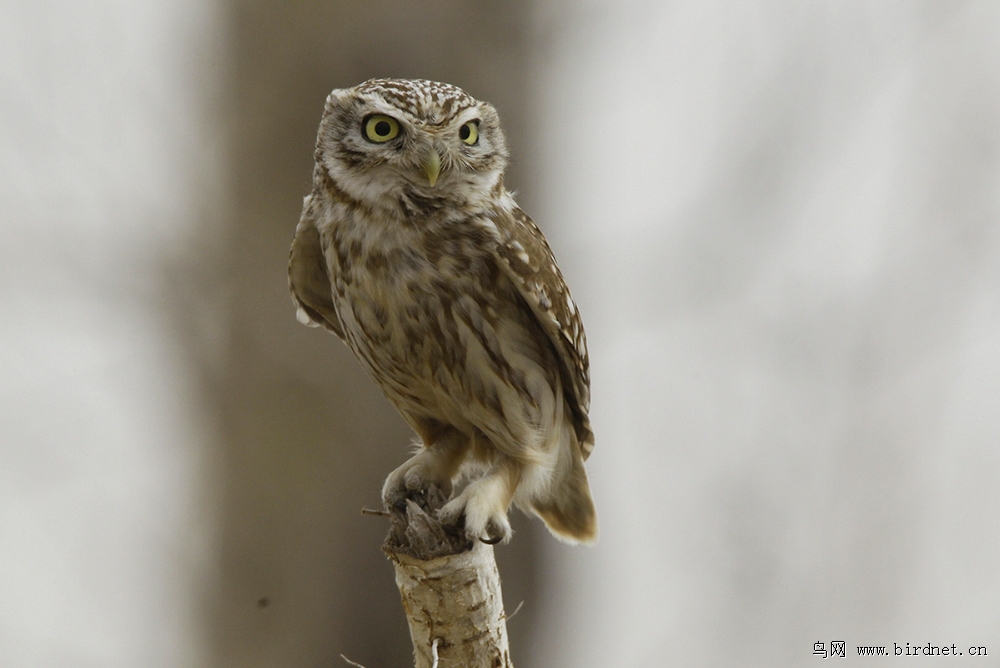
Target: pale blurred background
column 781, row 221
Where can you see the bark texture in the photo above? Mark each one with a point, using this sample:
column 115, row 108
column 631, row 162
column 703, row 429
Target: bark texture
column 450, row 588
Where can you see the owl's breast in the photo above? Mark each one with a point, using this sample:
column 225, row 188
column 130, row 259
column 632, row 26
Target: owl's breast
column 395, row 288
column 437, row 324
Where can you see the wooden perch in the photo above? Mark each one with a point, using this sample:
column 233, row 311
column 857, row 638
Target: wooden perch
column 450, row 588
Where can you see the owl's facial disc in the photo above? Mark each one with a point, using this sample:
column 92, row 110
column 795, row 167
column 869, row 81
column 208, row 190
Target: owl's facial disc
column 383, row 149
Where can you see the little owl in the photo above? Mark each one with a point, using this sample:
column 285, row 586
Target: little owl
column 412, row 251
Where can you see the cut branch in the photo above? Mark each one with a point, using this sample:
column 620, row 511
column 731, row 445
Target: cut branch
column 450, row 589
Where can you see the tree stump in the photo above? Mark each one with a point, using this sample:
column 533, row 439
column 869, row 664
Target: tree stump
column 450, row 588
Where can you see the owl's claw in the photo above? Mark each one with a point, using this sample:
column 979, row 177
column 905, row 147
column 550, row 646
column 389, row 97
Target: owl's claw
column 414, row 476
column 497, row 533
column 485, row 515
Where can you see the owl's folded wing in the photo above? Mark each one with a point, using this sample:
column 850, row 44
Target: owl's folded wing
column 308, row 279
column 527, row 260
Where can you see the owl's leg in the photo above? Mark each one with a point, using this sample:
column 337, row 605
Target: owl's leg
column 437, row 462
column 485, row 502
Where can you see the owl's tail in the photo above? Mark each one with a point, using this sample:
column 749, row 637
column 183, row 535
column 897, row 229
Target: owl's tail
column 568, row 508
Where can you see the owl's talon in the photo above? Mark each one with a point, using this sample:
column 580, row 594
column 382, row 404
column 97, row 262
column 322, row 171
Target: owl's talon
column 416, row 479
column 484, row 519
column 497, row 532
column 415, row 476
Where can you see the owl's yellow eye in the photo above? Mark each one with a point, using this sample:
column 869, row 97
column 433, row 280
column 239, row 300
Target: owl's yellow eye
column 380, row 128
column 469, row 132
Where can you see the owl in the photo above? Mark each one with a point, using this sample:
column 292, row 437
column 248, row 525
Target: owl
column 412, row 251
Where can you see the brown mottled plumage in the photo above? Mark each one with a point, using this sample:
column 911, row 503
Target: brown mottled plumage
column 411, row 250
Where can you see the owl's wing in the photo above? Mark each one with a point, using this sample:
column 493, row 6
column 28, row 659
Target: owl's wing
column 308, row 278
column 528, row 261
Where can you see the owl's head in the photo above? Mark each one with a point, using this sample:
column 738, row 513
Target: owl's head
column 402, row 144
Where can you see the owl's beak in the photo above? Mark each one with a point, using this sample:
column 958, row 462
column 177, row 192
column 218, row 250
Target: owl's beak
column 432, row 166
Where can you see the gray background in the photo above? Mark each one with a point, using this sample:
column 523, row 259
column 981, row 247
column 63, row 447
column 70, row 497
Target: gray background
column 779, row 219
